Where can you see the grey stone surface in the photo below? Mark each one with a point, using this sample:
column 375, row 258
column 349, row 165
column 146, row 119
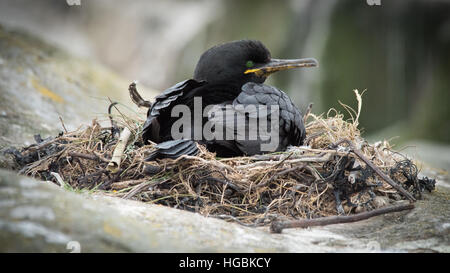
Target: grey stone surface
column 40, row 83
column 38, row 216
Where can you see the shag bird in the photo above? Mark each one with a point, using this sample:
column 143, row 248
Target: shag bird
column 227, row 75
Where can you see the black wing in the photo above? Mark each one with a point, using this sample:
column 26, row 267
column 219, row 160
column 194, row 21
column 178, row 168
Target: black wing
column 291, row 128
column 291, row 120
column 163, row 104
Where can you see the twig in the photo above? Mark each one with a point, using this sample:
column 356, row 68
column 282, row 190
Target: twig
column 114, row 127
column 281, row 173
column 316, row 159
column 283, row 160
column 277, row 227
column 114, row 164
column 218, row 164
column 225, row 182
column 308, row 110
column 88, row 156
column 100, row 156
column 278, row 157
column 125, row 184
column 62, row 123
column 136, row 190
column 136, row 97
column 37, row 147
column 376, row 169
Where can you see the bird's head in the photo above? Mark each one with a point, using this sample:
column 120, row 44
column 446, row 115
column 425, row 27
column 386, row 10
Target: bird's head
column 241, row 62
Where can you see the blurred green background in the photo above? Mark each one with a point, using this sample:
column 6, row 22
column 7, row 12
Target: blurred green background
column 398, row 51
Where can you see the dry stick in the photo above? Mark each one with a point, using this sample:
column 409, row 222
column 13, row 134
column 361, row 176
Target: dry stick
column 283, row 160
column 319, row 153
column 114, row 164
column 42, row 145
column 281, row 173
column 136, row 97
column 62, row 123
column 139, row 188
column 88, row 156
column 308, row 110
column 277, row 227
column 136, row 190
column 229, row 184
column 377, row 170
column 217, row 164
column 125, row 184
column 323, row 158
column 277, row 157
column 100, row 156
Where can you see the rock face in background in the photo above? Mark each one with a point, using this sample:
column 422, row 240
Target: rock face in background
column 40, row 217
column 40, row 83
column 142, row 40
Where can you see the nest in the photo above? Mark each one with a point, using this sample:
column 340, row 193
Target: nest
column 327, row 176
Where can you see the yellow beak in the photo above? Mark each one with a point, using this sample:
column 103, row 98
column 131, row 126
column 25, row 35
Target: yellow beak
column 279, row 64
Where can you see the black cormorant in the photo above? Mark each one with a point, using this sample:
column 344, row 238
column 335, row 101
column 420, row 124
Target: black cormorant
column 226, row 75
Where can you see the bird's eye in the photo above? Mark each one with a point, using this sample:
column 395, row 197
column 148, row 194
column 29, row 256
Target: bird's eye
column 249, row 64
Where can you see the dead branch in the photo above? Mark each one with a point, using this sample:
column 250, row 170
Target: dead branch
column 141, row 186
column 126, row 184
column 279, row 174
column 316, row 159
column 136, row 190
column 88, row 156
column 277, row 227
column 137, row 98
column 218, row 164
column 44, row 144
column 224, row 182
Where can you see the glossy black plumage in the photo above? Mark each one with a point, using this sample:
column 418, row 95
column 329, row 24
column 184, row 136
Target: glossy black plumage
column 222, row 78
column 291, row 128
column 157, row 126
